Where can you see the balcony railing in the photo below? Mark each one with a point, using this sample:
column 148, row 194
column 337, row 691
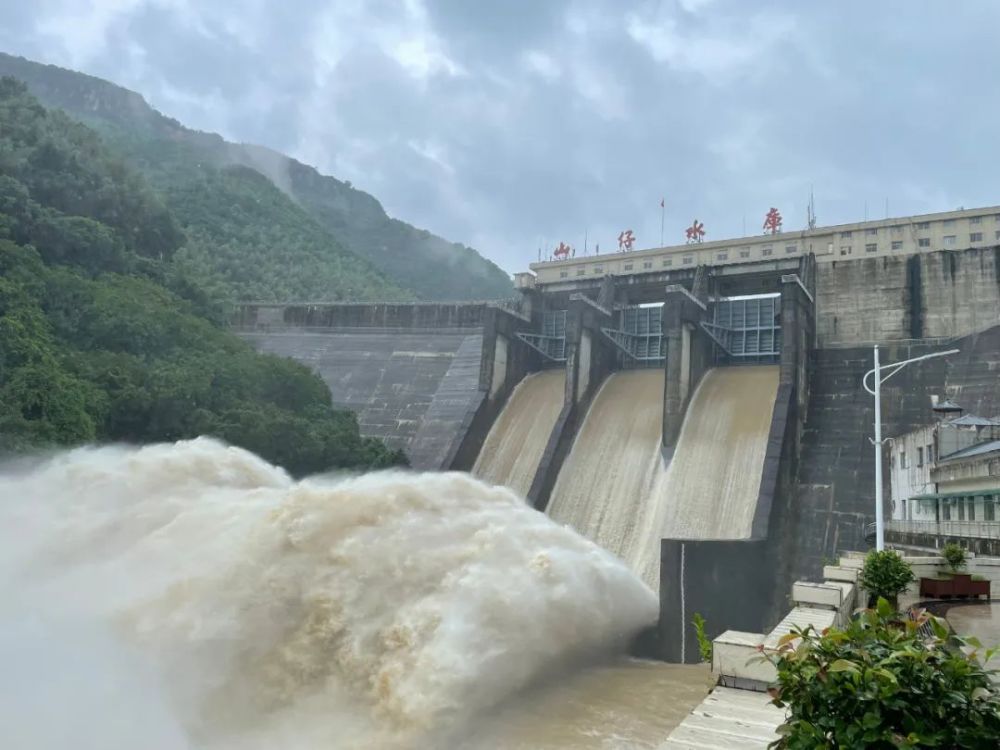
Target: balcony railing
column 967, row 529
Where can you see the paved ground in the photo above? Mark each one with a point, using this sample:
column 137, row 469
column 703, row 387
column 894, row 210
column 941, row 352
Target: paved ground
column 981, row 621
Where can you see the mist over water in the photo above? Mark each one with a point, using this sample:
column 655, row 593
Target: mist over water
column 192, row 595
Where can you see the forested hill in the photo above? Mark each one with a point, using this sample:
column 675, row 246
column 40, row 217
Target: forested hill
column 208, row 184
column 103, row 336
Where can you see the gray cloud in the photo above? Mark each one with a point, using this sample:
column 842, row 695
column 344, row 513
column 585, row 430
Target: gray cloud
column 508, row 125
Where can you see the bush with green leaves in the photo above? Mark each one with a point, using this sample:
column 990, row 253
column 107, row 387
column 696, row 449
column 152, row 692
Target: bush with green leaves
column 955, row 555
column 885, row 574
column 880, row 683
column 704, row 642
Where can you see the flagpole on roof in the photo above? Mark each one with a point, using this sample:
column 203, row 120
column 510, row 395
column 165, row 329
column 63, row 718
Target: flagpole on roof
column 662, row 212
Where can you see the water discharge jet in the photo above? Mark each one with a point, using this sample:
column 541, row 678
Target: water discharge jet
column 371, row 611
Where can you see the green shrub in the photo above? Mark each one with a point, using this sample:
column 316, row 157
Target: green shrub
column 879, row 684
column 954, row 555
column 704, row 643
column 885, row 574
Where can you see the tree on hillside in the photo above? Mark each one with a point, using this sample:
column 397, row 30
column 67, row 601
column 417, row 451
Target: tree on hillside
column 103, row 338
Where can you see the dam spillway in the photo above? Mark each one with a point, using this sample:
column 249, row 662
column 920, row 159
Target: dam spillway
column 714, row 477
column 514, row 446
column 605, row 487
column 616, row 488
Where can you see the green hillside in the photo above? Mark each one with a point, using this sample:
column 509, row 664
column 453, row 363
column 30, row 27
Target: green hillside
column 104, row 335
column 320, row 239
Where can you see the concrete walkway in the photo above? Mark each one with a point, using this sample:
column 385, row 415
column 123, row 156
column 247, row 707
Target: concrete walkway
column 728, row 718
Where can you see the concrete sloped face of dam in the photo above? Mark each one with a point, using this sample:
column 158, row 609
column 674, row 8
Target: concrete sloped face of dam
column 615, row 488
column 514, row 446
column 605, row 487
column 714, row 478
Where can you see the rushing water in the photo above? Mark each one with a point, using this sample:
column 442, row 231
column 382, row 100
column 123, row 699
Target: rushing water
column 517, row 440
column 714, row 477
column 605, row 487
column 192, row 595
column 615, row 488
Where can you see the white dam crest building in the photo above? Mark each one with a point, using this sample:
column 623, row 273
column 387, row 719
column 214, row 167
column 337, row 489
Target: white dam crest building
column 978, row 227
column 443, row 380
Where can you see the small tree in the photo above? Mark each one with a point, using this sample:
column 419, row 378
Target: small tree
column 886, row 575
column 955, row 555
column 880, row 683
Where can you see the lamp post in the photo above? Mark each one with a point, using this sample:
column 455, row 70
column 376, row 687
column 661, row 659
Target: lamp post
column 877, row 371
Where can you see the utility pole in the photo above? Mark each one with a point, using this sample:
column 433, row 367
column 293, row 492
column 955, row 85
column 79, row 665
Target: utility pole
column 876, row 391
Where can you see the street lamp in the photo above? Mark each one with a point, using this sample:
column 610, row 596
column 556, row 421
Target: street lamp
column 877, row 442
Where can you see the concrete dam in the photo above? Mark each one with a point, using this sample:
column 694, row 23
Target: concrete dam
column 705, row 424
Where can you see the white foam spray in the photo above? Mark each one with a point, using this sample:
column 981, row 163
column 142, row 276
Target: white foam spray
column 192, row 595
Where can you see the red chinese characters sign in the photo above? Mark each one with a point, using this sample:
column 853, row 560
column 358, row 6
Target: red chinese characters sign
column 772, row 222
column 695, row 232
column 562, row 252
column 626, row 240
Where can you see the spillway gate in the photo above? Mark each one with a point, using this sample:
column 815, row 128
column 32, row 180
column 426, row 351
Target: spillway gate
column 639, row 335
column 551, row 343
column 747, row 330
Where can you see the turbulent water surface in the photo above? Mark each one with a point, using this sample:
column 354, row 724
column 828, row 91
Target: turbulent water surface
column 193, row 596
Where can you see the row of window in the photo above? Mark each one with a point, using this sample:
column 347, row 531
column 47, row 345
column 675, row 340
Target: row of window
column 949, row 240
column 920, row 225
column 964, row 509
column 921, row 454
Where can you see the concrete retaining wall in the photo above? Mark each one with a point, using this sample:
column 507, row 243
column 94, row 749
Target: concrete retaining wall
column 725, row 581
column 940, row 294
column 418, row 376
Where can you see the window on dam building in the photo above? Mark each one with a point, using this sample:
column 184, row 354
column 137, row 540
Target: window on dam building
column 789, row 249
column 924, row 242
column 897, row 244
column 949, row 240
column 871, row 247
column 976, row 237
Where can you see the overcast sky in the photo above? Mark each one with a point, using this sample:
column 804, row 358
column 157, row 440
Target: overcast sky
column 512, row 124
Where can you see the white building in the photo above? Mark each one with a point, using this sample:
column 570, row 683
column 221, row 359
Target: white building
column 951, row 230
column 949, row 471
